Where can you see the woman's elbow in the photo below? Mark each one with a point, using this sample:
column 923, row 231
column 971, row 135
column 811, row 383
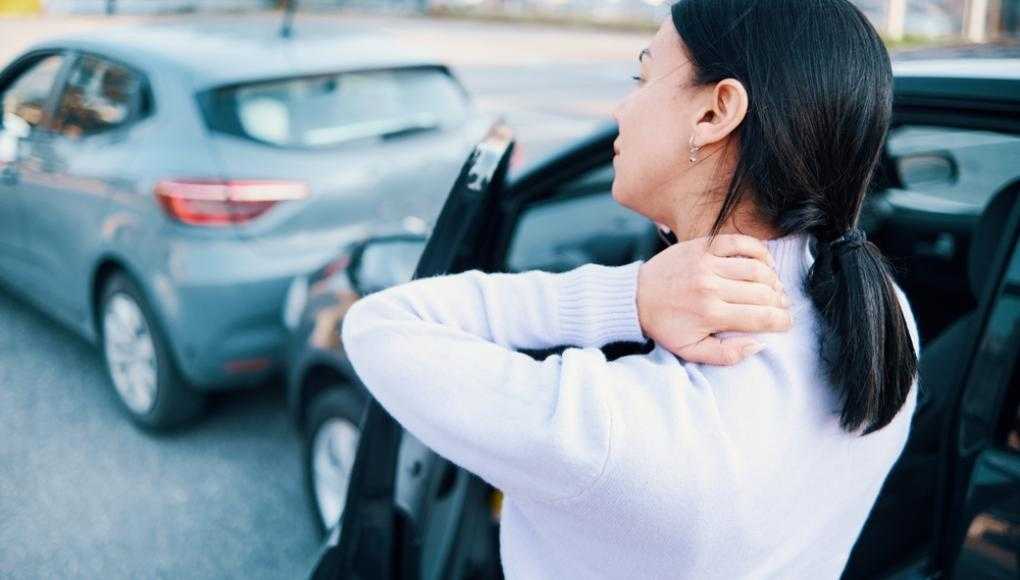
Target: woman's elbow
column 356, row 327
column 369, row 327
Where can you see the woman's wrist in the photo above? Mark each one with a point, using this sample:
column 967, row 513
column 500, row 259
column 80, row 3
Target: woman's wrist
column 598, row 305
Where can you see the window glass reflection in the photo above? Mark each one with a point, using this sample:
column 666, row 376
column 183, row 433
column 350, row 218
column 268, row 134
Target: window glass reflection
column 99, row 96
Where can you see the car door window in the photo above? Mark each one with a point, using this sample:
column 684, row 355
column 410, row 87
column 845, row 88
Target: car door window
column 24, row 100
column 582, row 224
column 99, row 96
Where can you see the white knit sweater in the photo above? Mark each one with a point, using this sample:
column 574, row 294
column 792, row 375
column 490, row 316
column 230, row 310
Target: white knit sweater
column 644, row 467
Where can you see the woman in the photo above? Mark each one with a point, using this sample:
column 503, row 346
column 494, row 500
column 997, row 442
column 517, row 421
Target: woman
column 764, row 118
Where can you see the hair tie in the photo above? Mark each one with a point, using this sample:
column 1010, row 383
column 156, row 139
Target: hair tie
column 851, row 240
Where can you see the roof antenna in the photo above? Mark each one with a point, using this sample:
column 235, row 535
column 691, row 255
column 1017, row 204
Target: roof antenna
column 286, row 30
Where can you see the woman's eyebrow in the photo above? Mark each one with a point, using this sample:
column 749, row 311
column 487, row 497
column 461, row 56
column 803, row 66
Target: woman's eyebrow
column 644, row 51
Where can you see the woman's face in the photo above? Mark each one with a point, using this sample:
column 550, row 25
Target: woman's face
column 656, row 121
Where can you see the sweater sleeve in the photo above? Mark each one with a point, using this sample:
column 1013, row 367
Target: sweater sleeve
column 439, row 354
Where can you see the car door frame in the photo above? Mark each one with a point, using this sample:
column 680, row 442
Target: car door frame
column 970, row 431
column 372, row 532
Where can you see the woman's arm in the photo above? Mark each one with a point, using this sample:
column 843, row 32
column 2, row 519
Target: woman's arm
column 438, row 354
column 591, row 305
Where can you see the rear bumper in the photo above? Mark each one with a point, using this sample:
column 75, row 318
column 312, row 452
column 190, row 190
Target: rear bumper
column 227, row 336
column 222, row 300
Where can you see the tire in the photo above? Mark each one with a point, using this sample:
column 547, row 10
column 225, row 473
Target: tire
column 144, row 378
column 329, row 445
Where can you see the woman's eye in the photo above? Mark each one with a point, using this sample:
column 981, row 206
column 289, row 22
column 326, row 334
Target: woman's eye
column 637, row 79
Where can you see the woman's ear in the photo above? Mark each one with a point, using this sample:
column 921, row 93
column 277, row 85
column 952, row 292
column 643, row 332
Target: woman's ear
column 723, row 113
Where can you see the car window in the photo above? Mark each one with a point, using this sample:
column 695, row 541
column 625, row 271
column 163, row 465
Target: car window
column 24, row 101
column 99, row 96
column 582, row 224
column 983, row 162
column 329, row 110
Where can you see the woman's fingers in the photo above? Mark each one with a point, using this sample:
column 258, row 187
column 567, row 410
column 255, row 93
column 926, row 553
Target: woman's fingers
column 747, row 270
column 748, row 318
column 725, row 245
column 751, row 293
column 694, row 289
column 713, row 351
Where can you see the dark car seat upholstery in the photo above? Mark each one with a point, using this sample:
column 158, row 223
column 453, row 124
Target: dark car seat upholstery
column 901, row 522
column 942, row 360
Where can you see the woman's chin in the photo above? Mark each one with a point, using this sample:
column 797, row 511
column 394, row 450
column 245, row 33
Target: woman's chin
column 618, row 193
column 621, row 196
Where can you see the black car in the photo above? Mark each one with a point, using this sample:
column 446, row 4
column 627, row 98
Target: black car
column 943, row 209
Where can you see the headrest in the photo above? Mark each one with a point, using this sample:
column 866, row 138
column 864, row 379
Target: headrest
column 987, row 235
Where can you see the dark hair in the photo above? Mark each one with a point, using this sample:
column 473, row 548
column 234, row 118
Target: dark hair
column 819, row 84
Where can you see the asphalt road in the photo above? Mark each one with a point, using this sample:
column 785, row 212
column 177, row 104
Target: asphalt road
column 83, row 494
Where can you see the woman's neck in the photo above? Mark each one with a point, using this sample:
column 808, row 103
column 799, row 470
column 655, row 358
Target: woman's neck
column 689, row 224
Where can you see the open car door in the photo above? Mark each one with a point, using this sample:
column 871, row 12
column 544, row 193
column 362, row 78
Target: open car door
column 404, row 510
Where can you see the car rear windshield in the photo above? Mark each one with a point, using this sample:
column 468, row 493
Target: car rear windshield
column 328, row 110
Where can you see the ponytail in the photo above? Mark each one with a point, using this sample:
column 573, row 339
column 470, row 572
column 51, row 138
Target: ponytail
column 865, row 341
column 820, row 107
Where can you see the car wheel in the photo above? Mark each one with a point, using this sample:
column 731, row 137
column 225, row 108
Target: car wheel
column 332, row 433
column 138, row 361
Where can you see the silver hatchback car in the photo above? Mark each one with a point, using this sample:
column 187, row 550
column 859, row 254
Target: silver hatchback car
column 160, row 187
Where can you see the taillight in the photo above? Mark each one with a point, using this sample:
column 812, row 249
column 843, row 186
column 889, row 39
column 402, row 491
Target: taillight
column 224, row 203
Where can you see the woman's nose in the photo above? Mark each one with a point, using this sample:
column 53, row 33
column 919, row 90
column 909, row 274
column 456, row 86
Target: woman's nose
column 618, row 110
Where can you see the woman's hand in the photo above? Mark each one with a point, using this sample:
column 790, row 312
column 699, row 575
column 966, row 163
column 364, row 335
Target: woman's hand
column 692, row 290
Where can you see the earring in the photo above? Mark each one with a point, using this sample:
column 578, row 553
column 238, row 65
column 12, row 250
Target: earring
column 694, row 151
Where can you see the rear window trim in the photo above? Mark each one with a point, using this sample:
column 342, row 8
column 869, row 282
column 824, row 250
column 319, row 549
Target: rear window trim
column 230, row 125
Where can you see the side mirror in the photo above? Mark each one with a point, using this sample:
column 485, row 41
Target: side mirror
column 385, row 261
column 927, row 169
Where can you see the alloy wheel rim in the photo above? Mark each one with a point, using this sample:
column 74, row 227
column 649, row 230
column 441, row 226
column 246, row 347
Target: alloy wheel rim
column 334, row 448
column 130, row 353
